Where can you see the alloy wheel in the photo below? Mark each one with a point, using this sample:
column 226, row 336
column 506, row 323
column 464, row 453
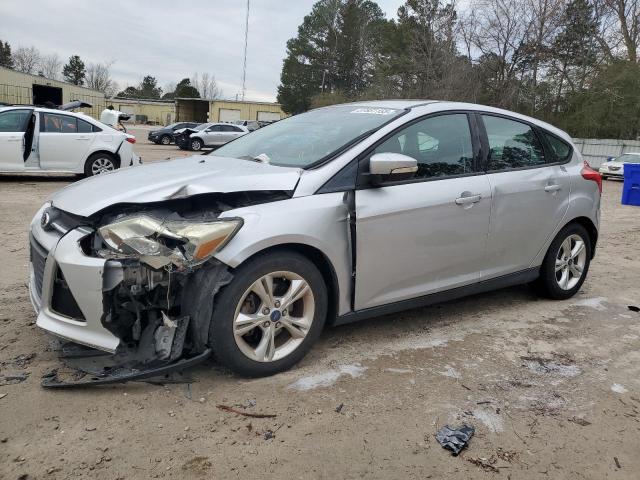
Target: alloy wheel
column 102, row 165
column 273, row 316
column 570, row 262
column 165, row 140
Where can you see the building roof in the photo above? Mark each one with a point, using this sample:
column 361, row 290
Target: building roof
column 40, row 78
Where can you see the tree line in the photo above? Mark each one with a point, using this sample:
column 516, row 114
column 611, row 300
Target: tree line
column 97, row 76
column 574, row 63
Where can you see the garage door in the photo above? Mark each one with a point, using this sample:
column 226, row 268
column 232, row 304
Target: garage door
column 229, row 115
column 268, row 116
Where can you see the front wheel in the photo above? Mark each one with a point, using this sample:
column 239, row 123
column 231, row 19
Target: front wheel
column 566, row 263
column 270, row 315
column 196, row 144
column 165, row 140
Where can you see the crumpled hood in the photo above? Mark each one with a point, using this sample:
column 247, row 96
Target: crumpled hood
column 174, row 179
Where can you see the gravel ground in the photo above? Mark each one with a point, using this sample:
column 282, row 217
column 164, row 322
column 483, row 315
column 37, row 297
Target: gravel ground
column 552, row 388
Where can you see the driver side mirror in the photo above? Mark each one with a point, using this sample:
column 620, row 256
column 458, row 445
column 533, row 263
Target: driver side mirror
column 391, row 167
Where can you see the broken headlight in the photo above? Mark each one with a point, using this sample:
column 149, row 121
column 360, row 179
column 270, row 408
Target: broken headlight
column 159, row 243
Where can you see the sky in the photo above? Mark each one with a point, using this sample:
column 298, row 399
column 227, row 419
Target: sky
column 167, row 39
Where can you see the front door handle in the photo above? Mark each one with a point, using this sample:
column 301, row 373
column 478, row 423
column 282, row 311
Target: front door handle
column 468, row 199
column 82, row 138
column 552, row 188
column 15, row 139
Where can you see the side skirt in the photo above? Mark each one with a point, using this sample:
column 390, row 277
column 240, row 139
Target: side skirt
column 517, row 278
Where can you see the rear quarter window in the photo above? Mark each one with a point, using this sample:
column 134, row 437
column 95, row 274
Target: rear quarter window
column 561, row 150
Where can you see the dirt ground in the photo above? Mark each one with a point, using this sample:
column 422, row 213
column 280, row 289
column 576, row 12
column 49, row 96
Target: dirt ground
column 552, row 388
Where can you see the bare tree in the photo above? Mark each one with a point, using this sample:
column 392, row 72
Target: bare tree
column 26, row 59
column 98, row 77
column 50, row 66
column 206, row 85
column 628, row 13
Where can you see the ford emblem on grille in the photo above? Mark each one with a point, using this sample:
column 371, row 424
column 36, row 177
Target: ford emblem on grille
column 45, row 220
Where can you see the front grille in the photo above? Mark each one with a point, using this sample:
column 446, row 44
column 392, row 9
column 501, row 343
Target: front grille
column 38, row 255
column 614, row 169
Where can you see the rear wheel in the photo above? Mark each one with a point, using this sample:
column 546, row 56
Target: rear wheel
column 270, row 315
column 99, row 163
column 165, row 140
column 566, row 263
column 196, row 144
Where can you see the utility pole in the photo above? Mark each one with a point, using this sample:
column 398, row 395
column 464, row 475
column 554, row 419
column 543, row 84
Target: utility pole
column 246, row 41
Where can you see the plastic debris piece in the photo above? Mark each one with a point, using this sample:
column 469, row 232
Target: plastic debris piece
column 455, row 439
column 633, row 308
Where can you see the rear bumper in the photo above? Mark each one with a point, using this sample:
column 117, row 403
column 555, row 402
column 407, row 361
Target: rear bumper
column 84, row 277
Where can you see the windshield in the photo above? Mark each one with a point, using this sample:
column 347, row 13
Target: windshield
column 305, row 139
column 628, row 158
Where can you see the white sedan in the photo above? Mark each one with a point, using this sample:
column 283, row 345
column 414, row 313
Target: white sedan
column 34, row 139
column 614, row 168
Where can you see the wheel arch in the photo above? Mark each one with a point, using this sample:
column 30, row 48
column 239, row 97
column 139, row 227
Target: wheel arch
column 320, row 260
column 591, row 229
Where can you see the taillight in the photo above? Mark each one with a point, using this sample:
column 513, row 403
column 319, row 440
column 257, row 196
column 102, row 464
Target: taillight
column 589, row 173
column 131, row 139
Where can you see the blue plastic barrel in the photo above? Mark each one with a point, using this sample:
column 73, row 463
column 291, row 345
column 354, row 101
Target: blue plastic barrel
column 631, row 187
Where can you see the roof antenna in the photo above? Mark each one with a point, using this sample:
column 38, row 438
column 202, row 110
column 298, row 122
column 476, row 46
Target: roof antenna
column 246, row 40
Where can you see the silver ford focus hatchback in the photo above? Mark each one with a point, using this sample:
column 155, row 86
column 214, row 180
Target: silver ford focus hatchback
column 335, row 215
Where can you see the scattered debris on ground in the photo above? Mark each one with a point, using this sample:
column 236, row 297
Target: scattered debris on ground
column 226, row 408
column 580, row 421
column 13, row 378
column 197, row 464
column 633, row 308
column 455, row 439
column 487, row 464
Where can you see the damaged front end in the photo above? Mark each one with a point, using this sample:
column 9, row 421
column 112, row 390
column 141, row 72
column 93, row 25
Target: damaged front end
column 159, row 279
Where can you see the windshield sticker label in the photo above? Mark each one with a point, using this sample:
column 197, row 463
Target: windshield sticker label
column 375, row 111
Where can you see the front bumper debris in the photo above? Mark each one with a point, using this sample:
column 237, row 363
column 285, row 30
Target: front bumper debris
column 123, row 374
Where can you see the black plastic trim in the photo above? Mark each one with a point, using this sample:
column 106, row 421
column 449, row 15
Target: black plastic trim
column 517, row 278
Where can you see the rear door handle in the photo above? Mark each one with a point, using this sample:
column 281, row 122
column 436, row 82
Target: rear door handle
column 14, row 139
column 468, row 199
column 82, row 138
column 552, row 188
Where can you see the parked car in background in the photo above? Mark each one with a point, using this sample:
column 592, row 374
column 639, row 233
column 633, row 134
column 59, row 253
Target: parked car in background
column 213, row 135
column 50, row 140
column 164, row 135
column 181, row 136
column 327, row 217
column 250, row 124
column 614, row 167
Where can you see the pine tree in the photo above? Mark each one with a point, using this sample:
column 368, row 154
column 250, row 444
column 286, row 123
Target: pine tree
column 74, row 71
column 5, row 55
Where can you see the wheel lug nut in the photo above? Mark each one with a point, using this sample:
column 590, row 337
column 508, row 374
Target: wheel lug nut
column 277, row 324
column 277, row 304
column 265, row 311
column 284, row 312
column 266, row 324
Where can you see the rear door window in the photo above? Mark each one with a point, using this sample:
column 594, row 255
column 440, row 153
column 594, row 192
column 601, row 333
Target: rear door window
column 561, row 150
column 512, row 144
column 54, row 123
column 84, row 127
column 14, row 121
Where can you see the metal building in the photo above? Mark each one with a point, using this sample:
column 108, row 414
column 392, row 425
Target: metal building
column 25, row 89
column 203, row 110
column 152, row 112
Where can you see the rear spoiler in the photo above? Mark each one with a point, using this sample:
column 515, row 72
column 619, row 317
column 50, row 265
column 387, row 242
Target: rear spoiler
column 75, row 104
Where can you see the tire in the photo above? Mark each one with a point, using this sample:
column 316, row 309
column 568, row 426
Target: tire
column 165, row 139
column 553, row 284
column 195, row 144
column 101, row 162
column 242, row 354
